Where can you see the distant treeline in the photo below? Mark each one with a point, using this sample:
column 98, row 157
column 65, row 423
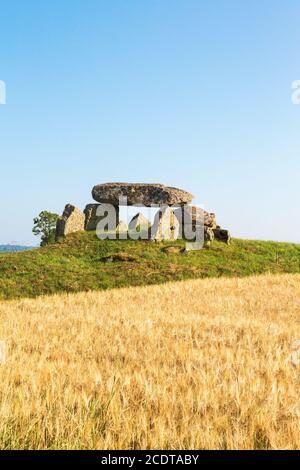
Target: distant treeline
column 14, row 248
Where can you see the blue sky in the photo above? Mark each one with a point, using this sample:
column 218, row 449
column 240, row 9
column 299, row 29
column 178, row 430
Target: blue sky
column 190, row 93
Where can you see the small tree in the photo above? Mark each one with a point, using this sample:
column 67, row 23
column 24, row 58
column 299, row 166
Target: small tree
column 45, row 225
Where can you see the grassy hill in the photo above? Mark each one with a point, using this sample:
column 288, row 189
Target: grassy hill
column 82, row 262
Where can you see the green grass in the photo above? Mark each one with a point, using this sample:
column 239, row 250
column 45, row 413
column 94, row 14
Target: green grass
column 78, row 264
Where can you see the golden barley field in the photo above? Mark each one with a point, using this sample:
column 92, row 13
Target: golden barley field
column 202, row 364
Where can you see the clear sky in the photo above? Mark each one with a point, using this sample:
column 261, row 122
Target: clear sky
column 189, row 93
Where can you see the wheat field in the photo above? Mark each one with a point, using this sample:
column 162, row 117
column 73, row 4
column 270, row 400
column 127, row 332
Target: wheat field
column 202, row 364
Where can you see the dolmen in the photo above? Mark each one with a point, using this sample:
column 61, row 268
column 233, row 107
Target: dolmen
column 175, row 216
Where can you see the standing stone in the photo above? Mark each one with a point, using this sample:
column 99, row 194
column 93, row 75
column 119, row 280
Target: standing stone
column 208, row 234
column 138, row 222
column 165, row 226
column 71, row 221
column 140, row 194
column 195, row 222
column 196, row 216
column 92, row 219
column 222, row 235
column 122, row 227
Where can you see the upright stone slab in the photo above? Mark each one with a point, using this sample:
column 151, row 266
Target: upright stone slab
column 196, row 216
column 92, row 219
column 71, row 221
column 208, row 234
column 194, row 219
column 122, row 227
column 138, row 222
column 165, row 226
column 143, row 194
column 222, row 235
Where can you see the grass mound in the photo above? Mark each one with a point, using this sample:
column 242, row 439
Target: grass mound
column 80, row 263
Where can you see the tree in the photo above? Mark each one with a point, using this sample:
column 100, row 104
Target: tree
column 45, row 225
